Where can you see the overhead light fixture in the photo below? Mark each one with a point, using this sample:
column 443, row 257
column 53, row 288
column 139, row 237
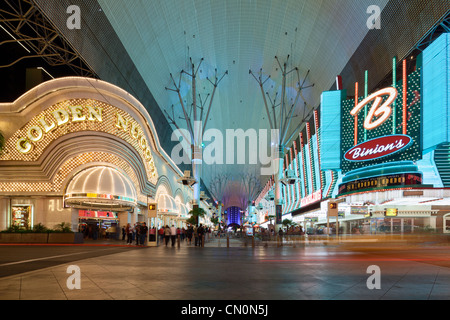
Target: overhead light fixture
column 290, row 178
column 186, row 179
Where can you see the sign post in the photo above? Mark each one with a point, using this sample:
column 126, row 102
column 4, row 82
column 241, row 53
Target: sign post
column 152, row 212
column 333, row 212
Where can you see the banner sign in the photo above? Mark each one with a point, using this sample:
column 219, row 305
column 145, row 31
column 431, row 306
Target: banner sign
column 312, row 198
column 402, row 179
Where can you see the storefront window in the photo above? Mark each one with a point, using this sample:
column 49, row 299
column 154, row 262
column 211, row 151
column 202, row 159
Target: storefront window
column 21, row 216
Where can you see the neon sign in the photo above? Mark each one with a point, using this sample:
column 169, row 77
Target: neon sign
column 383, row 112
column 72, row 118
column 378, row 148
column 391, row 127
column 385, row 181
column 312, row 198
column 61, row 116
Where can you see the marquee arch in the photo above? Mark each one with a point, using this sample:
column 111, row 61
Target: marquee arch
column 67, row 124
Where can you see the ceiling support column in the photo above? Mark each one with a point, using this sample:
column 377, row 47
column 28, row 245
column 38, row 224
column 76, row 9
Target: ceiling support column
column 195, row 124
column 283, row 126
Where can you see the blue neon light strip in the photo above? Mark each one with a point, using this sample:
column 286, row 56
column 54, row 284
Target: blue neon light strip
column 436, row 92
column 330, row 129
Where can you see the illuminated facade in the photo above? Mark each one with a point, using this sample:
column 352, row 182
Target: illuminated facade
column 80, row 149
column 384, row 156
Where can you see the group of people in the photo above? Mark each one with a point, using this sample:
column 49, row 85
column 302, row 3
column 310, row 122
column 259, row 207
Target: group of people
column 170, row 234
column 96, row 231
column 90, row 231
column 138, row 233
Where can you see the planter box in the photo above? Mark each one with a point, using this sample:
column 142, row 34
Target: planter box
column 34, row 238
column 63, row 238
column 10, row 238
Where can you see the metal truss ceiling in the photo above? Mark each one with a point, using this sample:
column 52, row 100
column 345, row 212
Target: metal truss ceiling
column 33, row 31
column 238, row 36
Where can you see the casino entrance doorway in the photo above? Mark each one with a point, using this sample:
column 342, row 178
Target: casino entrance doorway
column 100, row 193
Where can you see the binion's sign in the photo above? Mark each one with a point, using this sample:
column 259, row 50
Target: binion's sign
column 378, row 148
column 384, row 126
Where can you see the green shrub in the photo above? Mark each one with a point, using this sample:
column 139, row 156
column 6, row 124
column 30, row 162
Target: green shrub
column 15, row 229
column 63, row 227
column 40, row 228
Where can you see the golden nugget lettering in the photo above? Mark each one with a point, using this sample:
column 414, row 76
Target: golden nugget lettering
column 133, row 129
column 78, row 114
column 58, row 118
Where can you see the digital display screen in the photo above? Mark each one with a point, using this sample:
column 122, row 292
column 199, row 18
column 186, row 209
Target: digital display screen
column 402, row 179
column 391, row 212
column 359, row 210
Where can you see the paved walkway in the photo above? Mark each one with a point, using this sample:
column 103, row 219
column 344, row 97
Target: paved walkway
column 238, row 273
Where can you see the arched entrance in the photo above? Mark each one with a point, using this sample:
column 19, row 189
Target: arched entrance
column 99, row 194
column 66, row 126
column 183, row 214
column 167, row 209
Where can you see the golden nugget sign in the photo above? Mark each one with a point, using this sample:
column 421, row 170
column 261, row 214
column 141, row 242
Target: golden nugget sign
column 84, row 115
column 60, row 117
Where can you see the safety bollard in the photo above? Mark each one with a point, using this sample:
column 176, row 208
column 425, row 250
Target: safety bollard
column 253, row 242
column 228, row 242
column 178, row 241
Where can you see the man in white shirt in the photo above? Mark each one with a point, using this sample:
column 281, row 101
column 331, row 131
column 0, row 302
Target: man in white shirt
column 173, row 234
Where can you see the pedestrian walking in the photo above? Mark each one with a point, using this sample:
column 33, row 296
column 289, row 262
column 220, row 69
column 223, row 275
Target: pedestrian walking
column 183, row 234
column 166, row 234
column 201, row 235
column 143, row 233
column 137, row 231
column 129, row 231
column 189, row 234
column 173, row 234
column 161, row 234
